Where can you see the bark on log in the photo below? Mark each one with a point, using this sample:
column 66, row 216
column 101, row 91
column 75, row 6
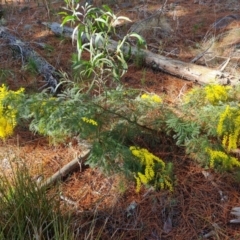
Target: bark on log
column 27, row 53
column 65, row 170
column 188, row 71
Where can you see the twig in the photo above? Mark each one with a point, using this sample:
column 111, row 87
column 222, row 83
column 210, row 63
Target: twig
column 200, row 55
column 65, row 170
column 68, row 201
column 224, row 65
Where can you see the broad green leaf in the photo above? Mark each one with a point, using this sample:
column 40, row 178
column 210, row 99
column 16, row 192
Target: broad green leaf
column 67, row 19
column 141, row 40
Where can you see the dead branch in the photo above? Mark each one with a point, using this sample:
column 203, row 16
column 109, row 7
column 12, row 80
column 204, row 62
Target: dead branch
column 27, row 54
column 188, row 71
column 66, row 170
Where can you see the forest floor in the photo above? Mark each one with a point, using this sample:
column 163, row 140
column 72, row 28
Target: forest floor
column 200, row 206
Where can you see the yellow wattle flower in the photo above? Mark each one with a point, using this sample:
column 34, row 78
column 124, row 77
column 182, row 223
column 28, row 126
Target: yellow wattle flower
column 151, row 98
column 229, row 128
column 149, row 172
column 7, row 116
column 169, row 185
column 161, row 185
column 216, row 93
column 143, row 178
column 138, row 185
column 148, row 161
column 6, row 128
column 223, row 116
column 223, row 158
column 90, row 121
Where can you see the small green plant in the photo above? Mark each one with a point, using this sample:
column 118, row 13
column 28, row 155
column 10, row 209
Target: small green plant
column 105, row 63
column 26, row 212
column 48, row 48
column 31, row 67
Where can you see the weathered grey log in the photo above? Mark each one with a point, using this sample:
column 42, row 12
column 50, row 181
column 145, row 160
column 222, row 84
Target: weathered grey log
column 183, row 70
column 65, row 170
column 28, row 54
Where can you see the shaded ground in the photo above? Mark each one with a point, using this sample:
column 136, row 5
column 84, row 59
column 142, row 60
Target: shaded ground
column 200, row 206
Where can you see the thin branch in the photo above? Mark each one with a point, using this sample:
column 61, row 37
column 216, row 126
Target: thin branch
column 65, row 170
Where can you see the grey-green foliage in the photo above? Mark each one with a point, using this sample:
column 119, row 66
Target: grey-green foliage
column 110, row 155
column 183, row 130
column 62, row 116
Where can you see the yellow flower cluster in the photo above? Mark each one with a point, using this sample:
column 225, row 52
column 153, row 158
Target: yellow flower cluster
column 165, row 183
column 148, row 160
column 223, row 158
column 90, row 121
column 222, row 118
column 151, row 98
column 6, row 127
column 145, row 156
column 7, row 114
column 215, row 93
column 230, row 133
column 138, row 184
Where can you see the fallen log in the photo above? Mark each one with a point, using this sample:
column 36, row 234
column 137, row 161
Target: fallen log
column 65, row 170
column 188, row 71
column 26, row 53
